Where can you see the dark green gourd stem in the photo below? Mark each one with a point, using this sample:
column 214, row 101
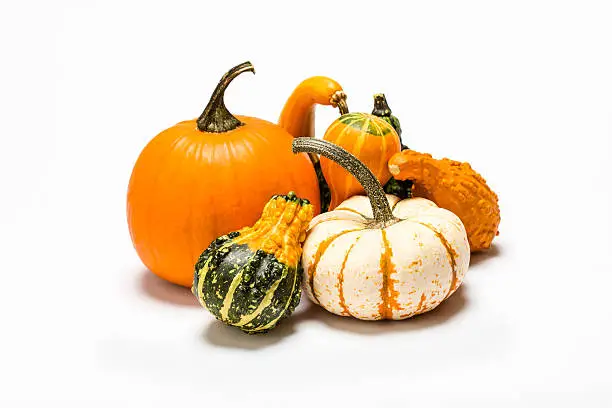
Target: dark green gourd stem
column 216, row 118
column 381, row 107
column 383, row 215
column 382, row 110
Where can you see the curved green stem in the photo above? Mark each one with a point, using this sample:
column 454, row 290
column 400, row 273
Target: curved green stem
column 216, row 118
column 381, row 210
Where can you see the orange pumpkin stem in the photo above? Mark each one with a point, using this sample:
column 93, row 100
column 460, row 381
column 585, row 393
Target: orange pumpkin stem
column 216, row 118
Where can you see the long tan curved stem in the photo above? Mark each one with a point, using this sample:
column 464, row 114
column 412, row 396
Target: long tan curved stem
column 381, row 210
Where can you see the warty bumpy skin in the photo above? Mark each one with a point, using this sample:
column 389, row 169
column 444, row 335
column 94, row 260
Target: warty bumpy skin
column 455, row 186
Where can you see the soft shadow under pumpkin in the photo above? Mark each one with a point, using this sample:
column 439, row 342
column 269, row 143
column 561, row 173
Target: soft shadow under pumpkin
column 483, row 256
column 222, row 335
column 165, row 292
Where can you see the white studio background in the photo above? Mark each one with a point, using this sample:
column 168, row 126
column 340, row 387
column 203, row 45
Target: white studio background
column 522, row 90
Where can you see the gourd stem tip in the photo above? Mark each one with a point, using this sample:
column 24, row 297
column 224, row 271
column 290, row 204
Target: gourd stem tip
column 338, row 100
column 381, row 107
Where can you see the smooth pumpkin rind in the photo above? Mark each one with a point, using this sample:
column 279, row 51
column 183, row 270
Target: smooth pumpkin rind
column 189, row 187
column 206, row 177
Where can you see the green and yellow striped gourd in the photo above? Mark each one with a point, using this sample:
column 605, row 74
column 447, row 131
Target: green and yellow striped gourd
column 251, row 278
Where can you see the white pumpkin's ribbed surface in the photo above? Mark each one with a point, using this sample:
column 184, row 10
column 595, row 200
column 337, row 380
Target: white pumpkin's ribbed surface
column 347, row 264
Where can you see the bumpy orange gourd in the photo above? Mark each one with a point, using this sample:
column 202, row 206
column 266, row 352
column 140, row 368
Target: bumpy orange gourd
column 369, row 138
column 203, row 178
column 455, row 186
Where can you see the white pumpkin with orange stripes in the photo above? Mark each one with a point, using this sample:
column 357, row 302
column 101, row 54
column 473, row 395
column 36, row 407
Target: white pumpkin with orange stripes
column 379, row 257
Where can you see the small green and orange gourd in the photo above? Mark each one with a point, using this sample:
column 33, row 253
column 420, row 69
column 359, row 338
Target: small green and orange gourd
column 251, row 278
column 369, row 138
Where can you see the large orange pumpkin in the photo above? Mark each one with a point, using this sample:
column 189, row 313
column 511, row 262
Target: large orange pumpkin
column 203, row 178
column 369, row 138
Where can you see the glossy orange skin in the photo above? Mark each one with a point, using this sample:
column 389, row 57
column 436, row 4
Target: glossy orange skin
column 366, row 143
column 189, row 187
column 297, row 116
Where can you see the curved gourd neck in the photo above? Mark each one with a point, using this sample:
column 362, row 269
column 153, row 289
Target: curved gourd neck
column 298, row 114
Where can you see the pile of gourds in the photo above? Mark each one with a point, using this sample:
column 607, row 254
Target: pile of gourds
column 273, row 209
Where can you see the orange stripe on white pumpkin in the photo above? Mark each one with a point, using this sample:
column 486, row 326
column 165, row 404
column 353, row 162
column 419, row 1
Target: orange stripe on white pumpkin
column 452, row 257
column 362, row 278
column 389, row 294
column 345, row 311
column 422, row 267
column 311, row 270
